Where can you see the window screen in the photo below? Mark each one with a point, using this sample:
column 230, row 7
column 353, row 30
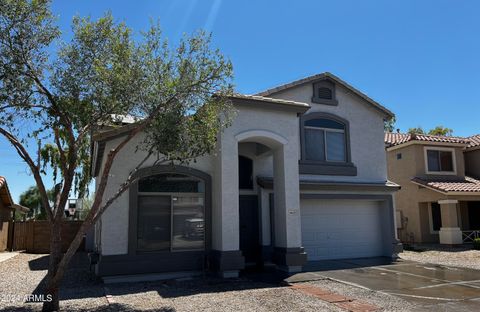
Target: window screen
column 314, row 144
column 153, row 231
column 335, row 146
column 441, row 161
column 170, row 213
column 188, row 222
column 325, row 140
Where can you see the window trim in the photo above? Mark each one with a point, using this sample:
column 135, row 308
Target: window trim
column 341, row 168
column 133, row 205
column 443, row 149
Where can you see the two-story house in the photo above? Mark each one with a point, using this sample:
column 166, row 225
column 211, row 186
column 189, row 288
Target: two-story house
column 300, row 175
column 439, row 200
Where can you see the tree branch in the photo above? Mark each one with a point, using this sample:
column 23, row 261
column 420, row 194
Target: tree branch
column 22, row 152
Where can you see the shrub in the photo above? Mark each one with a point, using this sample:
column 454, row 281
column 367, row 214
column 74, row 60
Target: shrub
column 476, row 243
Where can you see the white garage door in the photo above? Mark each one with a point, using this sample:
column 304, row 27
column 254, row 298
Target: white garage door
column 340, row 229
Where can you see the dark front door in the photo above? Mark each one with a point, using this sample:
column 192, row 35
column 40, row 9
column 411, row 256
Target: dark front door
column 474, row 215
column 249, row 228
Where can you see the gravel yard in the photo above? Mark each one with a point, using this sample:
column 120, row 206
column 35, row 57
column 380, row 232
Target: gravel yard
column 463, row 256
column 23, row 275
column 82, row 291
column 214, row 295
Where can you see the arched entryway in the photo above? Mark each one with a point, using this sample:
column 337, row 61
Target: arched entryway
column 268, row 234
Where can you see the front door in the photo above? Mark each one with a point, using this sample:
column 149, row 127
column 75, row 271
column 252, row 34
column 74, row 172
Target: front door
column 249, row 228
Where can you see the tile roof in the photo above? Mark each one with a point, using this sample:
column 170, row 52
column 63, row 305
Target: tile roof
column 393, row 139
column 444, row 185
column 269, row 100
column 474, row 141
column 335, row 79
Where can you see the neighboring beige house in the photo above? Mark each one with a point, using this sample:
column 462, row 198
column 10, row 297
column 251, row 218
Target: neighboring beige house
column 300, row 175
column 439, row 200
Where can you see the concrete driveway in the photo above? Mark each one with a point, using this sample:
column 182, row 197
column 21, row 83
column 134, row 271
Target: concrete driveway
column 428, row 287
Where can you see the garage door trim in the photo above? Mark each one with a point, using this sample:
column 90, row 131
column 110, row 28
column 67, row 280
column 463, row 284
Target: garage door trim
column 387, row 198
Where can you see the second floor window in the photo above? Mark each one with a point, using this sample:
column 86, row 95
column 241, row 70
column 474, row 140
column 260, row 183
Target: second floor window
column 325, row 140
column 440, row 161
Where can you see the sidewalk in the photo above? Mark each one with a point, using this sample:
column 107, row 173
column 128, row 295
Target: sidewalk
column 5, row 255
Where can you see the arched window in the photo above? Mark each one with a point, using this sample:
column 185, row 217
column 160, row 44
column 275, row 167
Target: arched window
column 245, row 173
column 325, row 140
column 325, row 145
column 171, row 213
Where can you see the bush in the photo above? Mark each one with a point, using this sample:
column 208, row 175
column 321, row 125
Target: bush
column 476, row 243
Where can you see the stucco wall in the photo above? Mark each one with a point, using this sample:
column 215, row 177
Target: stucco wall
column 412, row 200
column 112, row 230
column 114, row 222
column 366, row 131
column 472, row 163
column 272, row 127
column 367, row 153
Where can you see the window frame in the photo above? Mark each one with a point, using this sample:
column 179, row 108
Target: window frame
column 325, row 130
column 440, row 149
column 324, row 167
column 173, row 195
column 133, row 206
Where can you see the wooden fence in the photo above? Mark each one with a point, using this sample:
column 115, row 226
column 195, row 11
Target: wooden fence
column 34, row 236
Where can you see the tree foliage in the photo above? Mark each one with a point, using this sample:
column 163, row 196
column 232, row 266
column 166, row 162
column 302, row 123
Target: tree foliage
column 55, row 94
column 441, row 130
column 389, row 124
column 416, row 130
column 438, row 130
column 32, row 199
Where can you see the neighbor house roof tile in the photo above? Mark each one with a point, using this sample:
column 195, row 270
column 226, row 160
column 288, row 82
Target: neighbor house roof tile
column 474, row 141
column 444, row 185
column 393, row 139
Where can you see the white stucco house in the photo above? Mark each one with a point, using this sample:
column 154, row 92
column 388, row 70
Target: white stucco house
column 299, row 176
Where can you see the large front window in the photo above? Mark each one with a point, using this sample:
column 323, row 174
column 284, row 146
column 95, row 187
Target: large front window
column 171, row 213
column 325, row 140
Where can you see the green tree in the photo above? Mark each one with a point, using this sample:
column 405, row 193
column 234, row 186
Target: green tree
column 32, row 199
column 417, row 130
column 389, row 124
column 441, row 130
column 51, row 100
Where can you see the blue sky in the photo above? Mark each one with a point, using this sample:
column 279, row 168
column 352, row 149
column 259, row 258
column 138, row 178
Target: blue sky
column 421, row 59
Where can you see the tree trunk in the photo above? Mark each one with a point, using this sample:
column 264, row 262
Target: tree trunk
column 51, row 296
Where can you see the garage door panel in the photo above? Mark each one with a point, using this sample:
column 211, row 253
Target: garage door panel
column 335, row 229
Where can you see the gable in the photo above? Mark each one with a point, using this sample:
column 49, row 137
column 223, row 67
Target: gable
column 318, row 81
